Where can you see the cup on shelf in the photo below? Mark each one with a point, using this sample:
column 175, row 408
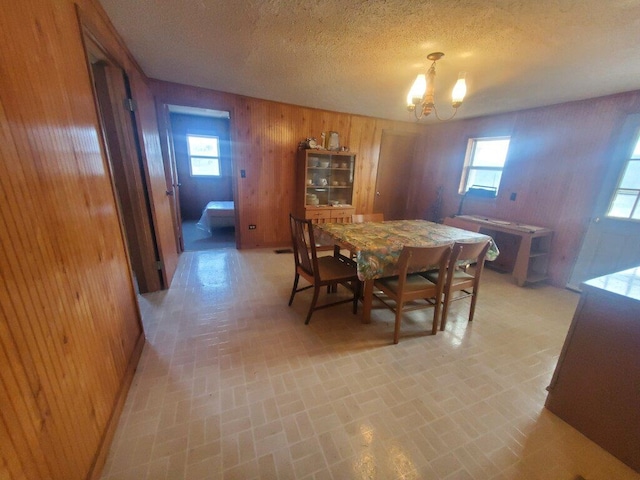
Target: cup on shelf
column 323, row 182
column 335, row 183
column 343, row 165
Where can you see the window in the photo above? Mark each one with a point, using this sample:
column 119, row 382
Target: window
column 625, row 202
column 484, row 163
column 204, row 155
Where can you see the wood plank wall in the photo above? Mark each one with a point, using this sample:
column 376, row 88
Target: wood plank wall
column 557, row 159
column 265, row 136
column 70, row 330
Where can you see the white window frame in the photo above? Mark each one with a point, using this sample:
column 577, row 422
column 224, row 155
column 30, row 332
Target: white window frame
column 469, row 167
column 633, row 157
column 206, row 157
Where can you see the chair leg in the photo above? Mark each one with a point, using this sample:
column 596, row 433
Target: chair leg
column 472, row 310
column 356, row 295
column 436, row 316
column 293, row 290
column 316, row 291
column 396, row 331
column 445, row 311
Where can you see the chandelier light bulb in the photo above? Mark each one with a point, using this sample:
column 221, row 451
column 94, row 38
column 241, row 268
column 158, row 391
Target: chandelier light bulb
column 459, row 90
column 417, row 91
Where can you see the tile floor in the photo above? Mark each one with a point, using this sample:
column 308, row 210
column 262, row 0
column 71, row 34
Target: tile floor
column 233, row 385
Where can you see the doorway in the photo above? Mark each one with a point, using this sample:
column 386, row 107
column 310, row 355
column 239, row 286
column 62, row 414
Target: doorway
column 394, row 164
column 612, row 240
column 203, row 167
column 112, row 89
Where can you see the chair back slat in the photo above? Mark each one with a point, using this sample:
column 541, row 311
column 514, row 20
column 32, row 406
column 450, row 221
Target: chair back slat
column 470, row 252
column 303, row 243
column 423, row 258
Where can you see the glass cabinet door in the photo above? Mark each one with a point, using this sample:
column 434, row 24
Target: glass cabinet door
column 329, row 178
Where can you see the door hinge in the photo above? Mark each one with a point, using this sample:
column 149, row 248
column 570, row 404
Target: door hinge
column 159, row 265
column 129, row 104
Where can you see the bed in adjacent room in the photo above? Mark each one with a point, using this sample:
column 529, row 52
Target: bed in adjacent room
column 217, row 214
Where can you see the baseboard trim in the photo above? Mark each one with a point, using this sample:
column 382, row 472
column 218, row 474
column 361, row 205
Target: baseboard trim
column 100, row 458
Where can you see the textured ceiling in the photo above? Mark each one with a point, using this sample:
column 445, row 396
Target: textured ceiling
column 361, row 56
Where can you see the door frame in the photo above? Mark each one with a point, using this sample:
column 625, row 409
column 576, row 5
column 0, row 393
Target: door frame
column 144, row 129
column 171, row 171
column 146, row 277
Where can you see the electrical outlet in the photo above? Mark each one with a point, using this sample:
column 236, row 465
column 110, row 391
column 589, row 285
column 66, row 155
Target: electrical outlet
column 513, row 196
column 243, row 174
column 252, row 227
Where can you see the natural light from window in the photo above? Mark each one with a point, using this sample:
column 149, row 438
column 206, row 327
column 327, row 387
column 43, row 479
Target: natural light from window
column 624, row 203
column 204, row 155
column 484, row 163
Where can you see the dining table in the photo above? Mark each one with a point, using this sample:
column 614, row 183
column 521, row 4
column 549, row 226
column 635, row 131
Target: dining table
column 377, row 246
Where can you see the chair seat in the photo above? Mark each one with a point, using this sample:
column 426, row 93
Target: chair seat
column 414, row 282
column 458, row 276
column 332, row 269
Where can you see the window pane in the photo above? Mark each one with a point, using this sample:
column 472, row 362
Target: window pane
column 490, row 153
column 631, row 177
column 203, row 146
column 636, row 151
column 622, row 204
column 205, row 166
column 484, row 178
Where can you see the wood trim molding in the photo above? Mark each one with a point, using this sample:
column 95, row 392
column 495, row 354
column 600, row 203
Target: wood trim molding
column 105, row 443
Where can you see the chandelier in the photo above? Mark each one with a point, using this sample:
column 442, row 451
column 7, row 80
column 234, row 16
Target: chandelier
column 420, row 98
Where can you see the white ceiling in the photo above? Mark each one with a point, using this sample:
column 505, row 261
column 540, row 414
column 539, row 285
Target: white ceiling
column 361, row 56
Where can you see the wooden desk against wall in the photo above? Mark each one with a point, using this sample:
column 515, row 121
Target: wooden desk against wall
column 524, row 249
column 596, row 385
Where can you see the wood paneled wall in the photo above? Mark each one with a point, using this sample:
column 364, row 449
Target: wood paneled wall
column 265, row 136
column 70, row 330
column 557, row 159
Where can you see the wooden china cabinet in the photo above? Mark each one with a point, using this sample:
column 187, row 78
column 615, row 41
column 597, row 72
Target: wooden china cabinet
column 325, row 185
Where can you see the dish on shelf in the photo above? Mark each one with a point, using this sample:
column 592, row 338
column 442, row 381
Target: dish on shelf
column 324, row 164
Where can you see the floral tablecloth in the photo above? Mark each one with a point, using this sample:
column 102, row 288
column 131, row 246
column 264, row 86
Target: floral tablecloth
column 377, row 245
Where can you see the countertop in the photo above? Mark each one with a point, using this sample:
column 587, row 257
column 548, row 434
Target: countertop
column 625, row 283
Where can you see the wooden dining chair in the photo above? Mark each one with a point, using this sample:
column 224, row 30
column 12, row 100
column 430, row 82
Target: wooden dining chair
column 326, row 271
column 460, row 280
column 367, row 217
column 411, row 291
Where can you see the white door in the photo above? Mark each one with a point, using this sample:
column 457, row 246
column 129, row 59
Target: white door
column 612, row 241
